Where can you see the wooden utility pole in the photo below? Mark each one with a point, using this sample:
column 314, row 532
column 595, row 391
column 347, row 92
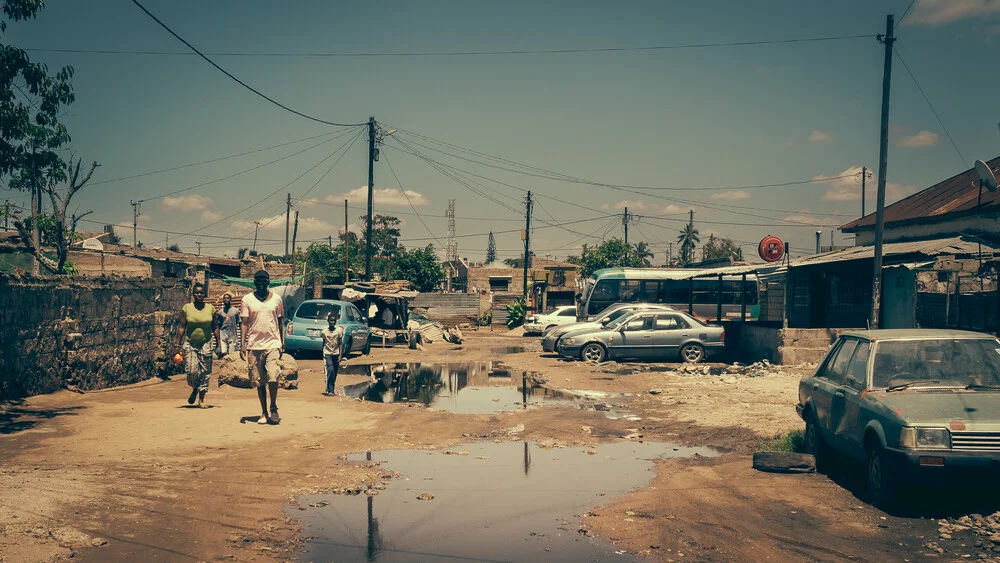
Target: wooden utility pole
column 527, row 247
column 198, row 242
column 295, row 234
column 135, row 223
column 288, row 214
column 883, row 157
column 864, row 176
column 347, row 250
column 256, row 226
column 371, row 197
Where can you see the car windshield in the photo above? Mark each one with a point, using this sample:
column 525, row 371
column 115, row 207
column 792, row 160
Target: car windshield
column 619, row 320
column 316, row 310
column 937, row 363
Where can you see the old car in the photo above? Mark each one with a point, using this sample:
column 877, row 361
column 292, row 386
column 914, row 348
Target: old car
column 551, row 336
column 912, row 405
column 646, row 335
column 562, row 315
column 302, row 333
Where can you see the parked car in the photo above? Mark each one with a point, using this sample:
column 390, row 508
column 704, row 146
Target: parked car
column 551, row 336
column 646, row 335
column 303, row 330
column 562, row 315
column 912, row 405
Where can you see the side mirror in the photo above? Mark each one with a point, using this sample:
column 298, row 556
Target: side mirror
column 604, row 322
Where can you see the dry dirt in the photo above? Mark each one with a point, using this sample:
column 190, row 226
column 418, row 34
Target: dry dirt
column 135, row 474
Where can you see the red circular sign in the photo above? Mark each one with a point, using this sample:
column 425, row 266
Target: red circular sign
column 771, row 248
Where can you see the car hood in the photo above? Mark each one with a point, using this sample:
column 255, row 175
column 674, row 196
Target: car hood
column 574, row 328
column 977, row 410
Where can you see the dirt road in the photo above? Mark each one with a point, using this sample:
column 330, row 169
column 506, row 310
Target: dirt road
column 134, row 473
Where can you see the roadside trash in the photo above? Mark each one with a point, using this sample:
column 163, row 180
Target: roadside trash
column 784, row 462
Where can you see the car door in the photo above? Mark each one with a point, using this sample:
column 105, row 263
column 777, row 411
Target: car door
column 359, row 330
column 831, row 389
column 668, row 333
column 636, row 338
column 845, row 412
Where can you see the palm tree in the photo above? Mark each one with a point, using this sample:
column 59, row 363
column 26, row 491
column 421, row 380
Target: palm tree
column 688, row 238
column 642, row 254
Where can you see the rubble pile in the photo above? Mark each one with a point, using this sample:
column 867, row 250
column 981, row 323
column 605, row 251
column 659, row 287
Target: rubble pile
column 232, row 371
column 986, row 528
column 762, row 368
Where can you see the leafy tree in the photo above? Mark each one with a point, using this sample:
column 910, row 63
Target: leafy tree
column 516, row 313
column 174, row 248
column 688, row 239
column 519, row 261
column 321, row 259
column 242, row 252
column 491, row 249
column 609, row 254
column 420, row 266
column 31, row 138
column 721, row 249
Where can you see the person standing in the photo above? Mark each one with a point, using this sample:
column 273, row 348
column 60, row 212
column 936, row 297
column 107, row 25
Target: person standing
column 229, row 324
column 263, row 342
column 197, row 324
column 333, row 342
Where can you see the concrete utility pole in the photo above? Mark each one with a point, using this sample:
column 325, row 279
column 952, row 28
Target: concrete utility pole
column 883, row 158
column 288, row 213
column 256, row 226
column 135, row 222
column 198, row 242
column 295, row 234
column 626, row 219
column 371, row 197
column 527, row 246
column 818, row 234
column 347, row 259
column 864, row 176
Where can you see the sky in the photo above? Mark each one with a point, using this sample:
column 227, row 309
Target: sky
column 481, row 125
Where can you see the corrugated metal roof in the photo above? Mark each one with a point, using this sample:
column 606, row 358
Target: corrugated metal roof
column 937, row 247
column 956, row 195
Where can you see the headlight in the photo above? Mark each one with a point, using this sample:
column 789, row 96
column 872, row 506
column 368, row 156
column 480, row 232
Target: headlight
column 925, row 438
column 568, row 341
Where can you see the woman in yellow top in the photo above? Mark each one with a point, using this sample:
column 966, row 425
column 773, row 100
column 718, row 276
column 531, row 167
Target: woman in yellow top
column 194, row 336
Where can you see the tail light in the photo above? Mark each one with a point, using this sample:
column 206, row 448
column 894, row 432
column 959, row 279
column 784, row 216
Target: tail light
column 722, row 336
column 288, row 329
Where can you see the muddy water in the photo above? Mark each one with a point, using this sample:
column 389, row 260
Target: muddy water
column 466, row 388
column 511, row 501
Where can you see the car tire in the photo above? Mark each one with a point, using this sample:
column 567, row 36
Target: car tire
column 368, row 346
column 593, row 353
column 692, row 353
column 815, row 444
column 883, row 489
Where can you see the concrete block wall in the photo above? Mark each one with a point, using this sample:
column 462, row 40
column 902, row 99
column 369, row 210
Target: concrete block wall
column 789, row 346
column 89, row 333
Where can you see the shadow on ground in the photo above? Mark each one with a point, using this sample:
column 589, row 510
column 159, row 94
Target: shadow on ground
column 15, row 417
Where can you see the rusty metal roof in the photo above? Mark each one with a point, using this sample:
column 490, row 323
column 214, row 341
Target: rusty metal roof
column 952, row 197
column 958, row 246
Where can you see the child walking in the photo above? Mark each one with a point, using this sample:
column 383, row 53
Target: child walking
column 333, row 343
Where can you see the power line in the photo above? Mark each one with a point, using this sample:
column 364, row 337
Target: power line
column 240, row 82
column 576, row 50
column 512, row 230
column 144, row 174
column 930, row 105
column 900, row 22
column 407, row 196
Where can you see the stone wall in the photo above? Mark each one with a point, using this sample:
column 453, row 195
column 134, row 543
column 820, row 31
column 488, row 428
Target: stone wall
column 788, row 346
column 87, row 333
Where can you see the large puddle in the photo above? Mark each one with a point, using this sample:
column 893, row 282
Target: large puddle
column 466, row 388
column 510, row 501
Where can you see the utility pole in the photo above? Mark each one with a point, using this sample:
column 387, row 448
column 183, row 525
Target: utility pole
column 295, row 234
column 818, row 234
column 329, row 241
column 135, row 223
column 527, row 246
column 625, row 221
column 347, row 258
column 371, row 197
column 256, row 226
column 670, row 253
column 288, row 213
column 864, row 176
column 198, row 242
column 883, row 158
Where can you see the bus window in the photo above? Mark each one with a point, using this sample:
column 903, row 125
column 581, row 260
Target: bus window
column 630, row 291
column 652, row 292
column 607, row 290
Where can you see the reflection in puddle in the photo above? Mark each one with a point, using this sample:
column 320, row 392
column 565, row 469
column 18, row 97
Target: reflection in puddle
column 467, row 388
column 494, row 502
column 505, row 350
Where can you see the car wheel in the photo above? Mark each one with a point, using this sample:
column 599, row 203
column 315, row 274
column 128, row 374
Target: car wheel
column 368, row 346
column 692, row 353
column 882, row 486
column 814, row 443
column 593, row 353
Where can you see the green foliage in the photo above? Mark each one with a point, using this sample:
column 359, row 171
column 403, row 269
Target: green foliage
column 486, row 318
column 174, row 248
column 329, row 262
column 242, row 252
column 793, row 441
column 419, row 266
column 612, row 253
column 491, row 249
column 721, row 249
column 519, row 261
column 688, row 239
column 515, row 314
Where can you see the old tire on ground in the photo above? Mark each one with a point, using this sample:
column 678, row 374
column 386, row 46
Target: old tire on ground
column 692, row 353
column 815, row 444
column 593, row 353
column 883, row 489
column 366, row 287
column 784, row 462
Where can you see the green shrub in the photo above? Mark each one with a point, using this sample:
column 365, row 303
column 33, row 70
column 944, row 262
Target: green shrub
column 793, row 441
column 515, row 314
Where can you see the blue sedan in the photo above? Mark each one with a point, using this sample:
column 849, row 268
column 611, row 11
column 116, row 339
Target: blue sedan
column 307, row 323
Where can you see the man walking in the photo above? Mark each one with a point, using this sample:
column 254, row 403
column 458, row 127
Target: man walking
column 229, row 321
column 261, row 313
column 333, row 341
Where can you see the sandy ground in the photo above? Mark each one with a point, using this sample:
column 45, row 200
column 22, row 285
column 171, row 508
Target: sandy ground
column 135, row 474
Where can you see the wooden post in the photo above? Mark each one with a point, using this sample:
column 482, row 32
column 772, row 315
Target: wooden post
column 718, row 309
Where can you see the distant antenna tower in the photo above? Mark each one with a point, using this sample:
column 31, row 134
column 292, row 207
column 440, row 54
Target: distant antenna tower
column 451, row 253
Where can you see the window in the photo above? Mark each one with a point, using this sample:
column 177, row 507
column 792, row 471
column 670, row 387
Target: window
column 669, row 322
column 857, row 372
column 316, row 310
column 630, row 291
column 637, row 324
column 607, row 290
column 499, row 284
column 567, row 313
column 651, row 292
column 353, row 314
column 836, row 370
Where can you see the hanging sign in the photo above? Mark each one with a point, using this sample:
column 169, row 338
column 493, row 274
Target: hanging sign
column 771, row 249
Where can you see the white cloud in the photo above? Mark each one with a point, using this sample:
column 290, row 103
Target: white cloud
column 124, row 229
column 923, row 138
column 211, row 216
column 633, row 205
column 819, row 136
column 940, row 12
column 309, row 203
column 673, row 209
column 386, row 196
column 846, row 186
column 310, row 225
column 804, row 218
column 192, row 202
column 731, row 195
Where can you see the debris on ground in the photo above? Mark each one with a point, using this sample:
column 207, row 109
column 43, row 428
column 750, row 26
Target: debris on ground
column 231, row 370
column 784, row 462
